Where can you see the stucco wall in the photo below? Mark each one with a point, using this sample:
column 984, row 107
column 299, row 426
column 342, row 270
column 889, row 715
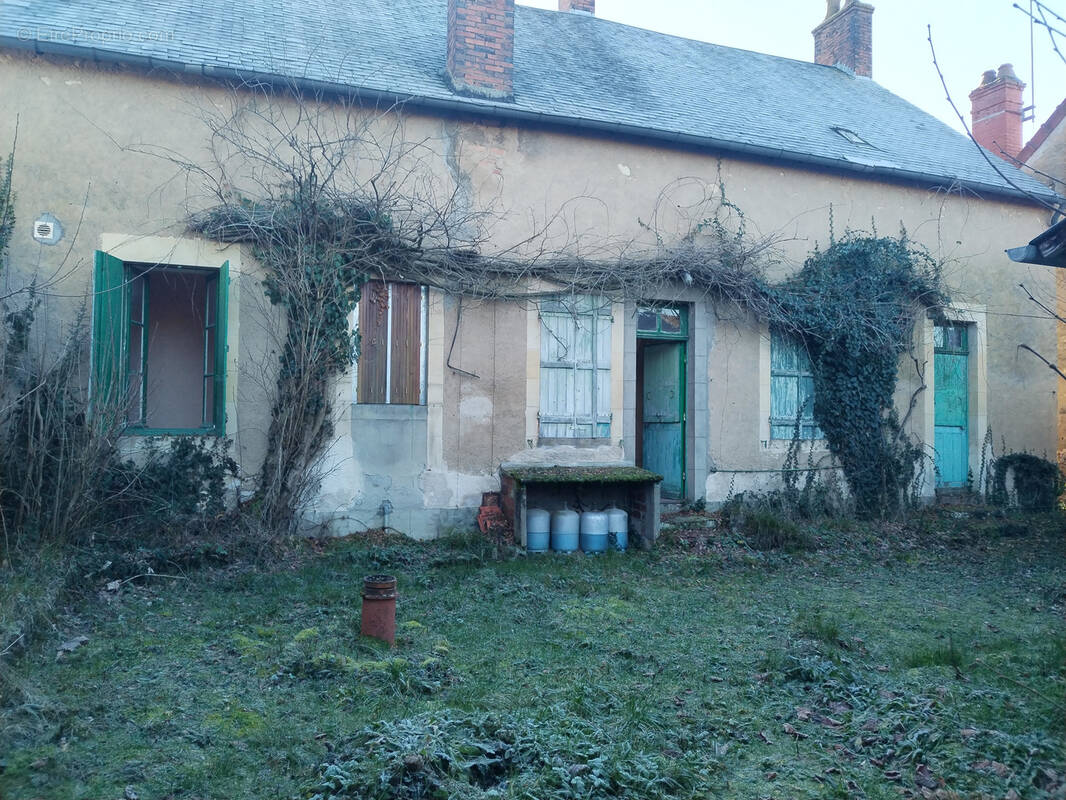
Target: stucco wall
column 84, row 133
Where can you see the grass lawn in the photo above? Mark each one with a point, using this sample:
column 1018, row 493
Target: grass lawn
column 926, row 659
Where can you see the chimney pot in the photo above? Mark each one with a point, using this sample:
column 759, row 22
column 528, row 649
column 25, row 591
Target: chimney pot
column 996, row 112
column 845, row 37
column 1007, row 71
column 584, row 6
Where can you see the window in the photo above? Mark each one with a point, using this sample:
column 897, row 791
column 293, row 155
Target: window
column 791, row 388
column 391, row 368
column 575, row 368
column 662, row 323
column 159, row 345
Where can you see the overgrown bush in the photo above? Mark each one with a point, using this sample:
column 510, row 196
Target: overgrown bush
column 766, row 530
column 1036, row 483
column 183, row 484
column 451, row 754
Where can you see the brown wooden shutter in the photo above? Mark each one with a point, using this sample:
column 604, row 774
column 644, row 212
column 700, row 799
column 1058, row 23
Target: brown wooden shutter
column 406, row 343
column 373, row 342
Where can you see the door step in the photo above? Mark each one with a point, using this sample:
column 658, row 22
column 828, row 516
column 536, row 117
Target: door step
column 955, row 497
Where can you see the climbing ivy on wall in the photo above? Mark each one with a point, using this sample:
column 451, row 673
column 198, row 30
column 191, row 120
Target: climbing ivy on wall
column 316, row 250
column 854, row 305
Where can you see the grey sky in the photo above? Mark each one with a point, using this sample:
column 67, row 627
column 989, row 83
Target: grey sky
column 970, row 37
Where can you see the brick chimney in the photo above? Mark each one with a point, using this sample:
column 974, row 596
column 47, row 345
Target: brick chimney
column 996, row 111
column 586, row 6
column 481, row 47
column 845, row 37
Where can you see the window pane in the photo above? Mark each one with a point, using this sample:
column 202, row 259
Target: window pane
column 209, row 401
column 647, row 320
column 671, row 318
column 212, row 301
column 209, row 351
column 137, row 299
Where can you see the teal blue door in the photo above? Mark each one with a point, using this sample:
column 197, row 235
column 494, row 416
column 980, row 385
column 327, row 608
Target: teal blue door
column 951, row 392
column 663, row 392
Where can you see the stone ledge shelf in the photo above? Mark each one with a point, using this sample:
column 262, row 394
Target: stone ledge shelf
column 582, row 487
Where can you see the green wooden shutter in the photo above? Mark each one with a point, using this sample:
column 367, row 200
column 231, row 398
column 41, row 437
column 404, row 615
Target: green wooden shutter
column 109, row 318
column 222, row 314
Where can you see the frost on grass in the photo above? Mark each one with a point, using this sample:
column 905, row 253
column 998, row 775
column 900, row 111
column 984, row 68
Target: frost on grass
column 450, row 754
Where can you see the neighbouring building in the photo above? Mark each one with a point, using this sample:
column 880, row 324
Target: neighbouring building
column 537, row 116
column 1044, row 156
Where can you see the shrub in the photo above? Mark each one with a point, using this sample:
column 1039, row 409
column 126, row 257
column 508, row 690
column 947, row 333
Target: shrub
column 1037, row 483
column 765, row 530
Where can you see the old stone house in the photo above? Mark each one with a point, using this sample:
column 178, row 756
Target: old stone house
column 533, row 114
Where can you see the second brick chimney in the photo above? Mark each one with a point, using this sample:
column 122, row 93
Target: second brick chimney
column 845, row 37
column 481, row 47
column 587, row 6
column 996, row 111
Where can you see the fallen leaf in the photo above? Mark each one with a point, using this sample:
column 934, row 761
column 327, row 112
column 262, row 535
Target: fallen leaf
column 793, row 732
column 893, row 774
column 839, row 708
column 997, row 767
column 872, row 725
column 968, row 733
column 763, row 735
column 70, row 646
column 113, row 586
column 923, row 777
column 829, row 721
column 770, row 776
column 1045, row 778
column 803, row 714
column 129, row 794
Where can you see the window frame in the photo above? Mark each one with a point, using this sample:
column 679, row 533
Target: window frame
column 113, row 281
column 599, row 312
column 423, row 357
column 808, row 427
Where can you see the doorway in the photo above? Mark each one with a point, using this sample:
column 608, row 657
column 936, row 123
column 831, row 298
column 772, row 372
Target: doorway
column 951, row 405
column 662, row 335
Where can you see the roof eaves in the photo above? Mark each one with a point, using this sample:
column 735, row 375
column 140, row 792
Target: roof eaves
column 502, row 110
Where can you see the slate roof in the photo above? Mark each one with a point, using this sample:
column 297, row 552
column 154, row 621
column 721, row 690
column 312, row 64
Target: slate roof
column 570, row 68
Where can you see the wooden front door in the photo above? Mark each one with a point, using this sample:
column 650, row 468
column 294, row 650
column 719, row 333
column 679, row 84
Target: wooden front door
column 951, row 405
column 663, row 412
